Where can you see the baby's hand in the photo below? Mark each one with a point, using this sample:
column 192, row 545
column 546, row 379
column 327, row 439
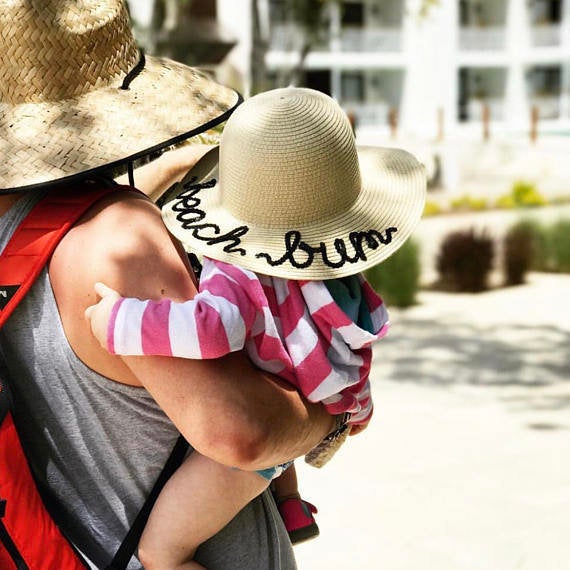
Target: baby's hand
column 99, row 314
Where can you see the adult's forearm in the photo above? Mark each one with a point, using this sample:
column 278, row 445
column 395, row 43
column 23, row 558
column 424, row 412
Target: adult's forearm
column 232, row 412
column 287, row 425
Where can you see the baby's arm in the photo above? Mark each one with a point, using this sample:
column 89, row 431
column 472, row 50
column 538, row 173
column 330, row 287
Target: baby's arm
column 207, row 326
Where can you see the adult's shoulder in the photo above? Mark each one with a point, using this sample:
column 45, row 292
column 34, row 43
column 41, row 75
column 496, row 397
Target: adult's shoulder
column 122, row 213
column 122, row 242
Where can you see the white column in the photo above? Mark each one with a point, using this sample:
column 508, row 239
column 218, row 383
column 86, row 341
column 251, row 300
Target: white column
column 335, row 47
column 565, row 91
column 235, row 70
column 517, row 111
column 565, row 28
column 565, row 83
column 424, row 73
column 448, row 41
column 335, row 83
column 334, row 29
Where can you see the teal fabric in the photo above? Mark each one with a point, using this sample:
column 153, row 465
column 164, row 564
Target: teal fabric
column 347, row 294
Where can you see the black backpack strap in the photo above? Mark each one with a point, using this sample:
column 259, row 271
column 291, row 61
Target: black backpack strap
column 131, row 541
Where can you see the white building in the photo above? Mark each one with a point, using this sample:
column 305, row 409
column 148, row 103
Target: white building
column 439, row 75
column 377, row 55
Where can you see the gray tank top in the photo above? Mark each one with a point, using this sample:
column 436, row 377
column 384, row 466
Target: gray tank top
column 99, row 445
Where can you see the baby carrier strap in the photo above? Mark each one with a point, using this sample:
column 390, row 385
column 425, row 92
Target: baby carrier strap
column 29, row 537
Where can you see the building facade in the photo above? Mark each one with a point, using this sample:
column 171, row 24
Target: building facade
column 463, row 61
column 457, row 85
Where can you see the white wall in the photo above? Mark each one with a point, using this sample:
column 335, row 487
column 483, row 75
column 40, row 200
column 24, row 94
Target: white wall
column 235, row 15
column 141, row 11
column 429, row 60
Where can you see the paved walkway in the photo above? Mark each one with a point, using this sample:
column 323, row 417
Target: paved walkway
column 466, row 465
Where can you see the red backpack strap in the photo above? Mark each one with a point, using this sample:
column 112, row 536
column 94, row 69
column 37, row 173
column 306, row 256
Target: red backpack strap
column 35, row 239
column 21, row 262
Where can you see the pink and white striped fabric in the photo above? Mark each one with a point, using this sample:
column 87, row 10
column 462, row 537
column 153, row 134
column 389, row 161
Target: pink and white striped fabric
column 291, row 328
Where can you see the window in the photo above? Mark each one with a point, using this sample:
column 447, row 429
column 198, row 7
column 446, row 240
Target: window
column 319, row 79
column 353, row 14
column 352, row 86
column 545, row 80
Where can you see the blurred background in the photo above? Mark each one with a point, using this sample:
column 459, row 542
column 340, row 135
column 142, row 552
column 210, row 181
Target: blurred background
column 467, row 462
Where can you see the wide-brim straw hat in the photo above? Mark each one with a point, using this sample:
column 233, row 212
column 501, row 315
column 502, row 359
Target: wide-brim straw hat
column 294, row 198
column 77, row 95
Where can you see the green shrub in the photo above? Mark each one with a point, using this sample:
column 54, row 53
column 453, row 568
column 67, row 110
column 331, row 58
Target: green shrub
column 431, row 209
column 560, row 199
column 525, row 194
column 505, row 202
column 465, row 260
column 397, row 278
column 541, row 249
column 519, row 252
column 460, row 203
column 559, row 244
column 478, row 204
column 467, row 203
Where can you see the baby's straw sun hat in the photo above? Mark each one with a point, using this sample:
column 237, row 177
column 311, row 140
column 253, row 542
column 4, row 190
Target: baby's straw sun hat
column 77, row 95
column 294, row 198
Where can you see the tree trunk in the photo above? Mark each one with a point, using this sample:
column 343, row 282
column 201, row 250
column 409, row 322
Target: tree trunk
column 258, row 51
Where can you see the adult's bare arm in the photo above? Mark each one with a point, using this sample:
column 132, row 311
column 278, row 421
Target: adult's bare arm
column 226, row 408
column 233, row 412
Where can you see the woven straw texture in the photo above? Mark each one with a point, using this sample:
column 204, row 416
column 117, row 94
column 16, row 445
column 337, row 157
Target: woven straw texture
column 62, row 109
column 288, row 162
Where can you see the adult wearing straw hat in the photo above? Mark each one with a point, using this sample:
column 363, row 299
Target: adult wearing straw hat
column 78, row 101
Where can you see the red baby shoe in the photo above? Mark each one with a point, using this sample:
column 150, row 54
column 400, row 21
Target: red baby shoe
column 299, row 521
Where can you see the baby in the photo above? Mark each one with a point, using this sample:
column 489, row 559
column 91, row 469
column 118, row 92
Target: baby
column 285, row 232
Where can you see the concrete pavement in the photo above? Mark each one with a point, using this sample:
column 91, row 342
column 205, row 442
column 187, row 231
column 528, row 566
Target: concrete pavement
column 466, row 464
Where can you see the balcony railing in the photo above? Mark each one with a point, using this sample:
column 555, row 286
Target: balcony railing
column 287, row 37
column 496, row 106
column 548, row 106
column 546, row 35
column 367, row 114
column 490, row 38
column 371, row 39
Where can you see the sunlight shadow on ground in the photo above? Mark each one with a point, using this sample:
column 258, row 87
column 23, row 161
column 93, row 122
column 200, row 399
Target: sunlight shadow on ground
column 426, row 352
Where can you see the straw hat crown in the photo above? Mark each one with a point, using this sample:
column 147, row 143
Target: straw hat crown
column 304, row 155
column 53, row 49
column 295, row 197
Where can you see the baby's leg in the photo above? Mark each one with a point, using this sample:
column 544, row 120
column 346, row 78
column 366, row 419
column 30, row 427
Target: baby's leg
column 199, row 500
column 286, row 485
